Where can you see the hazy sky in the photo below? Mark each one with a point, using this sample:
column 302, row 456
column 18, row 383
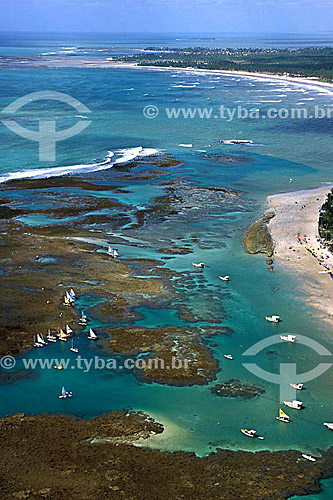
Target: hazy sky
column 167, row 15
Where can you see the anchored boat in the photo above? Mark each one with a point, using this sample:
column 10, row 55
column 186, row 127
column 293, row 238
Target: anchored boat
column 198, row 264
column 224, row 278
column 308, row 457
column 296, row 405
column 273, row 319
column 250, row 433
column 329, row 425
column 228, row 356
column 299, row 387
column 288, row 338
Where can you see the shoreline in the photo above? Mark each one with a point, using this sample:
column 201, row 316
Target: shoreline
column 104, row 63
column 298, row 213
column 244, row 74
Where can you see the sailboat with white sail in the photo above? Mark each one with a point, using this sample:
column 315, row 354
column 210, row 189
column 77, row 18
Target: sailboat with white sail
column 72, row 348
column 92, row 335
column 69, row 331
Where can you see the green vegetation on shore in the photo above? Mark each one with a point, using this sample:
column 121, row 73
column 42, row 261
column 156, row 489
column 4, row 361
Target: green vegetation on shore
column 315, row 62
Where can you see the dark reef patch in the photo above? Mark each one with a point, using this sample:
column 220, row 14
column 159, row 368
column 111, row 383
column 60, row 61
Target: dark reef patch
column 234, row 388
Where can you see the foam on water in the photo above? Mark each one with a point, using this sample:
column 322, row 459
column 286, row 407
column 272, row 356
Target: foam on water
column 127, row 155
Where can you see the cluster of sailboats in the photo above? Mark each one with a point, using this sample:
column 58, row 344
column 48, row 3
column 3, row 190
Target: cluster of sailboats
column 69, row 298
column 65, row 334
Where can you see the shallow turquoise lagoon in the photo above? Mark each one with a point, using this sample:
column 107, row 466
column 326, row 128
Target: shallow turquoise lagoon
column 287, row 155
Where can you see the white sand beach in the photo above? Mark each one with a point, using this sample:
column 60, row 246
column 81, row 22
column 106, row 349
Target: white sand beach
column 297, row 213
column 298, row 80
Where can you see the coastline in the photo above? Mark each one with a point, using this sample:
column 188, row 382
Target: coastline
column 104, row 63
column 222, row 72
column 298, row 213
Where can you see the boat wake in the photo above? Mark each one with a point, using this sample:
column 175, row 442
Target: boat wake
column 122, row 156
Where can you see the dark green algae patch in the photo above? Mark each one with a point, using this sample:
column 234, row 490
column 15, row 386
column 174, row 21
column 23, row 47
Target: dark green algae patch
column 258, row 238
column 96, row 459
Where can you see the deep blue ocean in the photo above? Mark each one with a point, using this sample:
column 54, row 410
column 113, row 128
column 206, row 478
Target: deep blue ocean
column 286, row 155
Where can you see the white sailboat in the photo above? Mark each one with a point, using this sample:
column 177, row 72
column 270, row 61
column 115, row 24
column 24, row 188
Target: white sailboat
column 69, row 331
column 72, row 348
column 40, row 339
column 37, row 344
column 51, row 338
column 92, row 335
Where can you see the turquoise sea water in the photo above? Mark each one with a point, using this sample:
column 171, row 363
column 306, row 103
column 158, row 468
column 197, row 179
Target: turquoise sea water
column 287, row 149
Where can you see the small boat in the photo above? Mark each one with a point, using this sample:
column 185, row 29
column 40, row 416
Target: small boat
column 65, row 394
column 72, row 348
column 40, row 339
column 288, row 338
column 110, row 251
column 62, row 336
column 250, row 433
column 198, row 264
column 296, row 405
column 308, row 457
column 72, row 294
column 299, row 387
column 283, row 417
column 51, row 338
column 329, row 425
column 228, row 356
column 83, row 320
column 237, row 141
column 37, row 344
column 92, row 335
column 66, row 301
column 224, row 278
column 115, row 253
column 69, row 331
column 273, row 319
column 58, row 367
